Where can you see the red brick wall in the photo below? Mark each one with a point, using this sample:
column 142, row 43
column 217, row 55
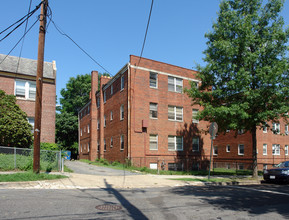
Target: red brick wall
column 142, row 95
column 48, row 106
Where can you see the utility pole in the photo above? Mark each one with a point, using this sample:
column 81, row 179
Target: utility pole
column 39, row 83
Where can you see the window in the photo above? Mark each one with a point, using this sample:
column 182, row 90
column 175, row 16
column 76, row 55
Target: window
column 264, row 149
column 286, row 149
column 88, row 128
column 154, row 110
column 104, row 145
column 122, row 142
column 228, row 148
column 121, row 112
column 241, row 149
column 175, row 143
column 31, row 122
column 241, row 131
column 215, row 150
column 276, row 149
column 111, row 89
column 98, row 102
column 104, row 118
column 194, row 115
column 265, row 128
column 88, row 110
column 153, row 142
column 25, row 89
column 276, row 128
column 196, row 147
column 175, row 113
column 104, row 97
column 175, row 84
column 87, row 147
column 81, row 132
column 98, row 124
column 98, row 146
column 111, row 115
column 286, row 130
column 153, row 80
column 111, row 142
column 122, row 83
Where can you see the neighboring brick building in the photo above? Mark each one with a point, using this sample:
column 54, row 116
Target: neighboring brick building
column 142, row 114
column 236, row 147
column 18, row 77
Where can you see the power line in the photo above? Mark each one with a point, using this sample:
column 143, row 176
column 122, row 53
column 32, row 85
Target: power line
column 148, row 23
column 19, row 41
column 62, row 33
column 20, row 54
column 26, row 17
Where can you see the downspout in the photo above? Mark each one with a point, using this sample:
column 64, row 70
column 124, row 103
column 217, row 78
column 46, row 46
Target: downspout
column 78, row 135
column 129, row 112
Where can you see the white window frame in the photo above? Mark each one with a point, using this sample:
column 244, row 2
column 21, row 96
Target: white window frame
column 104, row 97
column 80, row 131
column 286, row 150
column 228, row 148
column 154, row 81
column 194, row 114
column 175, row 113
column 239, row 149
column 175, row 143
column 265, row 149
column 27, row 89
column 194, row 142
column 111, row 142
column 87, row 147
column 153, row 108
column 177, row 82
column 104, row 120
column 121, row 112
column 88, row 129
column 31, row 121
column 276, row 149
column 265, row 128
column 111, row 115
column 122, row 142
column 275, row 127
column 153, row 140
column 111, row 89
column 286, row 130
column 215, row 151
column 122, row 83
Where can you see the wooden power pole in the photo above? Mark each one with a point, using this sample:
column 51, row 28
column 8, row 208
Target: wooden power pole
column 39, row 83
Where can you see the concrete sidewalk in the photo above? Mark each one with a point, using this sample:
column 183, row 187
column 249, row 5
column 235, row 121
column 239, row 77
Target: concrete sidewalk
column 83, row 181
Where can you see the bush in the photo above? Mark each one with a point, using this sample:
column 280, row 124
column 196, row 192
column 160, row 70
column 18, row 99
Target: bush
column 115, row 163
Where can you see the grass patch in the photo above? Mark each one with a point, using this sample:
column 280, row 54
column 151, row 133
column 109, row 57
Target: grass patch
column 28, row 176
column 127, row 166
column 214, row 180
column 66, row 169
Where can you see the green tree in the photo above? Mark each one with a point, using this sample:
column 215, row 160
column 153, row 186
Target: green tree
column 74, row 97
column 15, row 131
column 76, row 94
column 245, row 81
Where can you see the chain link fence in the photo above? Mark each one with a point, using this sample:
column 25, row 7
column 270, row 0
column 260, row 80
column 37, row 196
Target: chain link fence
column 12, row 158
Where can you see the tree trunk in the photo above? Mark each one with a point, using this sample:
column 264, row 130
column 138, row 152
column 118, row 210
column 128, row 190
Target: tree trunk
column 254, row 145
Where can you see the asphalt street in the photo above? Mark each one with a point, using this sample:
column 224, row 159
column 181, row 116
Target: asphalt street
column 266, row 201
column 85, row 168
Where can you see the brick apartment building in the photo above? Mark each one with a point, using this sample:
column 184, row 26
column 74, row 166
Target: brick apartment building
column 18, row 77
column 235, row 148
column 142, row 114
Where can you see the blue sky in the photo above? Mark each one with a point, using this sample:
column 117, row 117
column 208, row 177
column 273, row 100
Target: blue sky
column 111, row 30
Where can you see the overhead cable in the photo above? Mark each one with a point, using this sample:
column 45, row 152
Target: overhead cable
column 148, row 23
column 61, row 32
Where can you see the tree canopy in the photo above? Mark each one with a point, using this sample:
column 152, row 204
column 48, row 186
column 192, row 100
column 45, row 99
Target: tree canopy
column 245, row 81
column 15, row 130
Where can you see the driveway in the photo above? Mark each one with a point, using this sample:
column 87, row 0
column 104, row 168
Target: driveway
column 88, row 169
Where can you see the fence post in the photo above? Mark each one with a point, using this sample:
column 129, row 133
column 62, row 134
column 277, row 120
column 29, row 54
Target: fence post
column 62, row 165
column 59, row 159
column 15, row 165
